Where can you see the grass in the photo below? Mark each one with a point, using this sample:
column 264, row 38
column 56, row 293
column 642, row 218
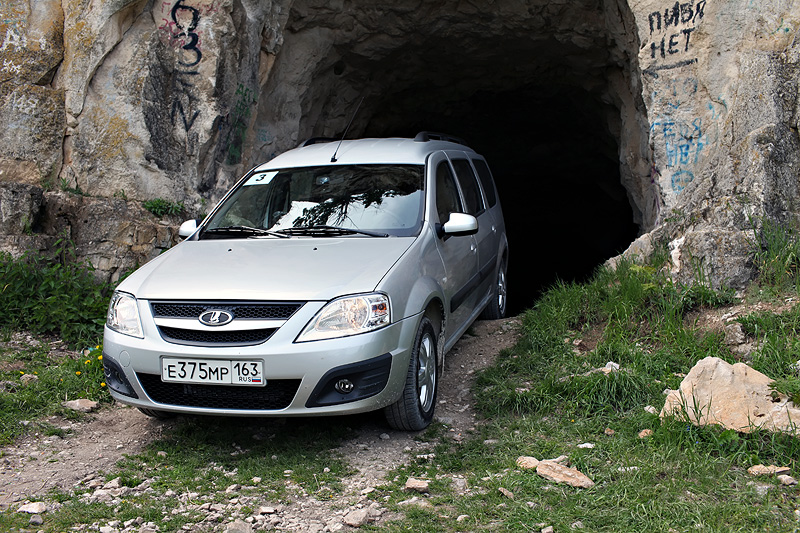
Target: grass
column 195, row 463
column 161, row 207
column 544, row 398
column 35, row 385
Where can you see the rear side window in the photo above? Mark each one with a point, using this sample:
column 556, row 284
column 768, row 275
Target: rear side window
column 486, row 180
column 469, row 186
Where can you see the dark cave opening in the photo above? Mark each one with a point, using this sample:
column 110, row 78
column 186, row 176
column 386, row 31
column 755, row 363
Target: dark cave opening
column 556, row 166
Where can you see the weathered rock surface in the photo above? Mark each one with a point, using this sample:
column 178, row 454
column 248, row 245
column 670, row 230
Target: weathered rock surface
column 136, row 99
column 732, row 396
column 559, row 473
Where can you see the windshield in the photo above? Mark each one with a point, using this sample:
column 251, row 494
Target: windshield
column 380, row 198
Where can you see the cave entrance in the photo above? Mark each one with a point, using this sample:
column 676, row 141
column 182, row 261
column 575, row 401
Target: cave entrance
column 555, row 112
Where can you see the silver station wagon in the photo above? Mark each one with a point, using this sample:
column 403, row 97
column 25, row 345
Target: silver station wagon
column 330, row 280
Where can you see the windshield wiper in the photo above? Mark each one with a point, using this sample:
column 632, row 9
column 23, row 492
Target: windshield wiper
column 327, row 231
column 244, row 231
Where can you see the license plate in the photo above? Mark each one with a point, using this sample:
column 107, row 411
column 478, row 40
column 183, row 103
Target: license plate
column 213, row 371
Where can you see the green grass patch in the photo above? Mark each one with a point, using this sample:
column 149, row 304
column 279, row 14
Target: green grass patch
column 549, row 395
column 34, row 386
column 161, row 207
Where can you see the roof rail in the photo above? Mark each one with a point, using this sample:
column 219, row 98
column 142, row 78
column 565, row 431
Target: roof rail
column 425, row 136
column 317, row 140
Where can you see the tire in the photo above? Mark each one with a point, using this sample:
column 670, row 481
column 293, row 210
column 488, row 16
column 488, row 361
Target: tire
column 155, row 413
column 414, row 410
column 498, row 303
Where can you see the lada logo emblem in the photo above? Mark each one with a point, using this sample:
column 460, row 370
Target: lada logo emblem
column 215, row 317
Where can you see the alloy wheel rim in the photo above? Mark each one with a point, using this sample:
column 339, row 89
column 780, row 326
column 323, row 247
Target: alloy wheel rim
column 501, row 291
column 426, row 373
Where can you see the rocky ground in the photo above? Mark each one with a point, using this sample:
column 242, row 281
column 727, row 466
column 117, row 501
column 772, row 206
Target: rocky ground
column 36, row 464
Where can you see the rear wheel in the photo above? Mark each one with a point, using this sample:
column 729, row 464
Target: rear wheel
column 414, row 410
column 499, row 301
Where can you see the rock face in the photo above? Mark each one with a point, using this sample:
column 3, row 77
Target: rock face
column 733, row 396
column 124, row 101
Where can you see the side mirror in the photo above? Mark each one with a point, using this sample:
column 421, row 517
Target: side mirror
column 460, row 224
column 187, row 228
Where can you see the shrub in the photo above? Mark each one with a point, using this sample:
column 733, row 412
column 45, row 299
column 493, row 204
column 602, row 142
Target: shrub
column 57, row 296
column 160, row 207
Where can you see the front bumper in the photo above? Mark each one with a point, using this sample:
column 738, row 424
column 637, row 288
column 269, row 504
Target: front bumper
column 300, row 377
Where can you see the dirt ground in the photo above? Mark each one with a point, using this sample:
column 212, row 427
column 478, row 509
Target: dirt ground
column 38, row 463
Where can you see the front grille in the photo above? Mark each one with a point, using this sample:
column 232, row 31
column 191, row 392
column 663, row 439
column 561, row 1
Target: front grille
column 276, row 394
column 194, row 337
column 247, row 311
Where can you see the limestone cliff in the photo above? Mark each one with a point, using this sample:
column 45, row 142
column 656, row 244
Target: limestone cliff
column 123, row 101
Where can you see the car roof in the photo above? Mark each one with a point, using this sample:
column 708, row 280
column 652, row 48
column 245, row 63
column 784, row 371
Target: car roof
column 363, row 151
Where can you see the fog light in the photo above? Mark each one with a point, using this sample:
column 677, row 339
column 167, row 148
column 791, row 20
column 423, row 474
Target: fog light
column 344, row 386
column 115, row 378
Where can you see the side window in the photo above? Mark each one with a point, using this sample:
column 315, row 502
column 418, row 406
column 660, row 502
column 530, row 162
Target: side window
column 447, row 200
column 485, row 176
column 469, row 186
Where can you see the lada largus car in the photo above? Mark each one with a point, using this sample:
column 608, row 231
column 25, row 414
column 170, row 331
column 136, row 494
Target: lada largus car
column 331, row 280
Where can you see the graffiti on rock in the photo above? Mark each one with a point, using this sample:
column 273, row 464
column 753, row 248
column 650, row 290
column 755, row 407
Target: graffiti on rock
column 179, row 30
column 671, row 30
column 683, row 131
column 238, row 121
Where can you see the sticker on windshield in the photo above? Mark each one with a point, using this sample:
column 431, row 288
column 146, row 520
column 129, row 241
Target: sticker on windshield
column 261, row 178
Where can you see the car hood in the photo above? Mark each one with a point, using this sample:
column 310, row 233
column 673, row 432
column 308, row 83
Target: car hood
column 299, row 269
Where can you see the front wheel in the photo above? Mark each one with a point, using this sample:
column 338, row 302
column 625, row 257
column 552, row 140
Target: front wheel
column 414, row 410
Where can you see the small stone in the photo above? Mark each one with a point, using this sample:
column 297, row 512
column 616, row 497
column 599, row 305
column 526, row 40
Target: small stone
column 356, row 518
column 586, row 446
column 83, row 405
column 267, row 510
column 761, row 470
column 643, row 434
column 239, row 526
column 36, row 520
column 256, row 480
column 416, row 501
column 507, row 493
column 27, row 379
column 33, row 508
column 548, row 529
column 384, row 436
column 161, row 454
column 418, row 485
column 558, row 473
column 610, row 432
column 527, row 463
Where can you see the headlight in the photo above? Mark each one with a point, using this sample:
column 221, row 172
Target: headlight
column 123, row 315
column 348, row 316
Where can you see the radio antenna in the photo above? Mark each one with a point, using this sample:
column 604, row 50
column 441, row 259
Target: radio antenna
column 333, row 157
